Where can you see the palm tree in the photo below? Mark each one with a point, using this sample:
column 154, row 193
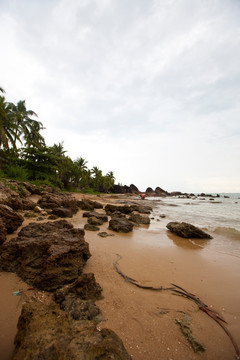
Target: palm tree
column 58, row 149
column 81, row 163
column 7, row 127
column 25, row 125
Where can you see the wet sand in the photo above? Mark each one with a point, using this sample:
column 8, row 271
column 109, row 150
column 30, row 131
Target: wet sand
column 145, row 319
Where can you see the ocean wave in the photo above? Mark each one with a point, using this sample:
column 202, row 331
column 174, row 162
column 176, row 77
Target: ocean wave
column 227, row 231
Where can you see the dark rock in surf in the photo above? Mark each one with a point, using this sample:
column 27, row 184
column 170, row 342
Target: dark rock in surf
column 186, row 230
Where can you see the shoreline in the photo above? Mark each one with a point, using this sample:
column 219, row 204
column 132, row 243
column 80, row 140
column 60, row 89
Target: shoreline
column 144, row 319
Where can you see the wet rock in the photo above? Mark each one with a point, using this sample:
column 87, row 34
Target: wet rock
column 52, row 217
column 80, row 309
column 62, row 212
column 58, row 200
column 94, row 221
column 11, row 219
column 78, row 298
column 89, row 205
column 95, row 214
column 139, row 219
column 120, row 225
column 90, row 227
column 104, row 234
column 46, row 255
column 186, row 230
column 46, row 332
column 84, row 287
column 125, row 209
column 142, row 209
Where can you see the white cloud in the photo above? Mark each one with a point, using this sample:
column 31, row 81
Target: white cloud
column 130, row 83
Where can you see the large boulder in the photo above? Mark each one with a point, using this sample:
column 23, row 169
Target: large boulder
column 186, row 230
column 120, row 225
column 45, row 332
column 46, row 255
column 11, row 219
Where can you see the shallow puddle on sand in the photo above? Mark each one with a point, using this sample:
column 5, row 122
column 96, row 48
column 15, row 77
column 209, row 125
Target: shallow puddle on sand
column 10, row 306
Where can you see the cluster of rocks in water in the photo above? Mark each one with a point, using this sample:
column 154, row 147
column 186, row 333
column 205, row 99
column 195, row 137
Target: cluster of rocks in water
column 50, row 256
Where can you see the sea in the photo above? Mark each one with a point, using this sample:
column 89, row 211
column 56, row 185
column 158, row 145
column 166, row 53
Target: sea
column 219, row 216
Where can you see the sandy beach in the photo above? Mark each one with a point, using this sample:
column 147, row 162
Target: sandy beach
column 145, row 320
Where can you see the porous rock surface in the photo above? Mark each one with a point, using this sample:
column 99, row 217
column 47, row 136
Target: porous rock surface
column 120, row 224
column 49, row 333
column 186, row 230
column 46, row 255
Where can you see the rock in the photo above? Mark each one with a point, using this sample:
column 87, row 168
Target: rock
column 186, row 230
column 46, row 255
column 91, row 227
column 104, row 234
column 80, row 309
column 92, row 220
column 160, row 192
column 125, row 209
column 52, row 217
column 89, row 205
column 38, row 209
column 31, row 188
column 46, row 332
column 78, row 298
column 3, row 232
column 62, row 212
column 84, row 287
column 95, row 214
column 139, row 219
column 162, row 216
column 143, row 209
column 120, row 225
column 134, row 189
column 11, row 219
column 149, row 191
column 30, row 215
column 58, row 200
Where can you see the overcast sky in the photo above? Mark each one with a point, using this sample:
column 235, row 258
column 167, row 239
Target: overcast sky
column 148, row 89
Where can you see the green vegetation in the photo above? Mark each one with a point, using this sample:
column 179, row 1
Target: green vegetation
column 25, row 156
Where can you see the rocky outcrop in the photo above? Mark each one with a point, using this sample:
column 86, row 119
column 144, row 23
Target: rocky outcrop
column 120, row 225
column 3, row 232
column 62, row 212
column 186, row 230
column 11, row 219
column 89, row 205
column 157, row 192
column 48, row 333
column 139, row 219
column 46, row 255
column 124, row 209
column 95, row 214
column 124, row 189
column 58, row 200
